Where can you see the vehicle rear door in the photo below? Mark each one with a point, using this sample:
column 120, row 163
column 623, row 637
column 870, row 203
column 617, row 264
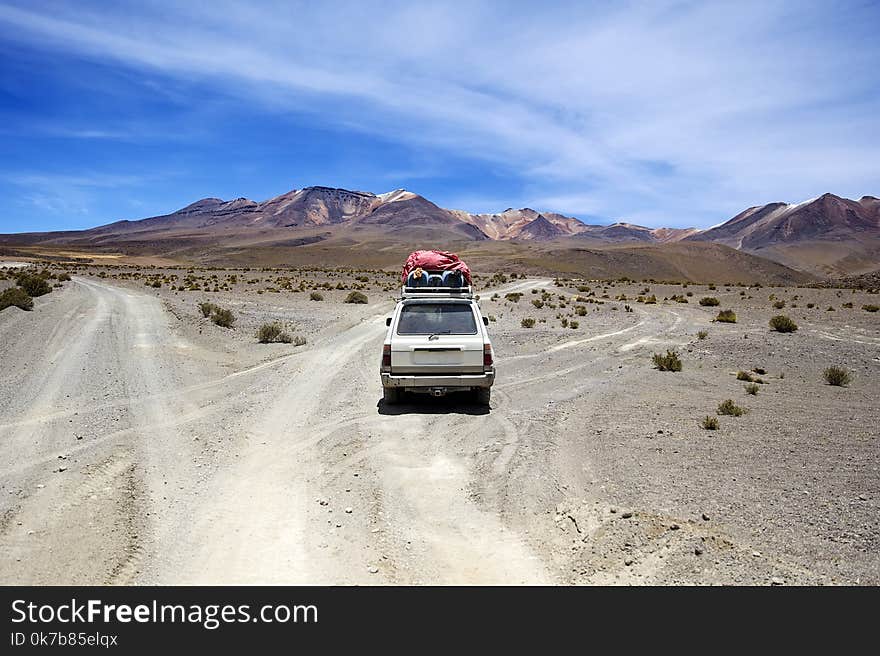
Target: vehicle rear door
column 437, row 337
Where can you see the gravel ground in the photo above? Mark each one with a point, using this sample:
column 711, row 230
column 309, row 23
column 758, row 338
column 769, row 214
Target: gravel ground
column 142, row 443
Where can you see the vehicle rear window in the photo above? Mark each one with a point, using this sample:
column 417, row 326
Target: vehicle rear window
column 436, row 319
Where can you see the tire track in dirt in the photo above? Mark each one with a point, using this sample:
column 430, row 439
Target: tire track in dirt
column 89, row 519
column 284, row 468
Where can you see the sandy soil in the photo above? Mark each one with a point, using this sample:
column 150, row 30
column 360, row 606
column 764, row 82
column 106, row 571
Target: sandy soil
column 143, row 444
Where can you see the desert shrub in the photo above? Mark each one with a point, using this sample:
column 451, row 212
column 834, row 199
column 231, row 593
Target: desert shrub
column 63, row 276
column 207, row 308
column 702, row 334
column 668, row 362
column 760, row 371
column 837, row 376
column 726, row 316
column 573, row 324
column 513, row 296
column 356, row 297
column 779, row 305
column 33, row 285
column 810, row 306
column 580, row 310
column 537, row 302
column 782, row 324
column 223, row 317
column 492, row 318
column 752, row 388
column 651, row 300
column 744, row 375
column 316, row 296
column 848, row 306
column 709, row 423
column 272, row 332
column 709, row 301
column 870, row 308
column 729, row 408
column 528, row 323
column 299, row 341
column 17, row 297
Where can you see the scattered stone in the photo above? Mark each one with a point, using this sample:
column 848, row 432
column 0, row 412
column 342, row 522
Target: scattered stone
column 373, row 569
column 613, row 510
column 674, row 527
column 776, row 581
column 756, row 554
column 698, row 551
column 349, row 510
column 61, row 469
column 628, row 562
column 705, row 517
column 338, row 525
column 627, row 515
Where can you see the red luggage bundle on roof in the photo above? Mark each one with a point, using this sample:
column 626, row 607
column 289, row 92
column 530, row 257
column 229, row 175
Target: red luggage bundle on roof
column 435, row 261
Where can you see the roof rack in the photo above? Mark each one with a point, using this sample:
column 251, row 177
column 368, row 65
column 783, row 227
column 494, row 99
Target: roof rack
column 432, row 285
column 435, row 292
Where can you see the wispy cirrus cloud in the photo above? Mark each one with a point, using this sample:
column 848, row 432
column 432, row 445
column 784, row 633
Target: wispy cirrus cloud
column 73, row 194
column 668, row 111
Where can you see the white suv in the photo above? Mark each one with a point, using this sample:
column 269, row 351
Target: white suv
column 436, row 343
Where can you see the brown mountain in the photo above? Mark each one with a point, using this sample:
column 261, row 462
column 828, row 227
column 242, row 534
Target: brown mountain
column 828, row 235
column 409, row 211
column 525, row 224
column 618, row 233
column 540, row 229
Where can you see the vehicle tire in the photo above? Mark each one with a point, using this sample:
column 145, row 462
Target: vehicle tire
column 391, row 395
column 484, row 395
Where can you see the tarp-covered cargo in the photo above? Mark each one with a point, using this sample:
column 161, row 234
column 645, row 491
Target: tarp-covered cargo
column 435, row 261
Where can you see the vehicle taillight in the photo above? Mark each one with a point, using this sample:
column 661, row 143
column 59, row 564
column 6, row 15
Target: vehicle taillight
column 487, row 355
column 386, row 356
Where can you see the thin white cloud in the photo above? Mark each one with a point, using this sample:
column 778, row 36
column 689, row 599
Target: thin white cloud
column 737, row 103
column 63, row 194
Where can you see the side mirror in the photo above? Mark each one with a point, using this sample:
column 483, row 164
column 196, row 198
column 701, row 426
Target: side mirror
column 485, row 321
column 387, row 321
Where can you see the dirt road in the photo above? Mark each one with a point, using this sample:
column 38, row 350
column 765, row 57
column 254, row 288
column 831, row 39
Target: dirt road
column 132, row 454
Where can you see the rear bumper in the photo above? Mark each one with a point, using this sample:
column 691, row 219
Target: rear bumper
column 462, row 381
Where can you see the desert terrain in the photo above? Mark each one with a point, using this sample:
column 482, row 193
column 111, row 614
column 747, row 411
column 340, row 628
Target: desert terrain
column 142, row 443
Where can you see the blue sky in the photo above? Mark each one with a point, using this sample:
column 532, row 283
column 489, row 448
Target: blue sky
column 658, row 113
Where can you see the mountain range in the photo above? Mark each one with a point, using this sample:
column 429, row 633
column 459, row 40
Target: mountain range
column 825, row 236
